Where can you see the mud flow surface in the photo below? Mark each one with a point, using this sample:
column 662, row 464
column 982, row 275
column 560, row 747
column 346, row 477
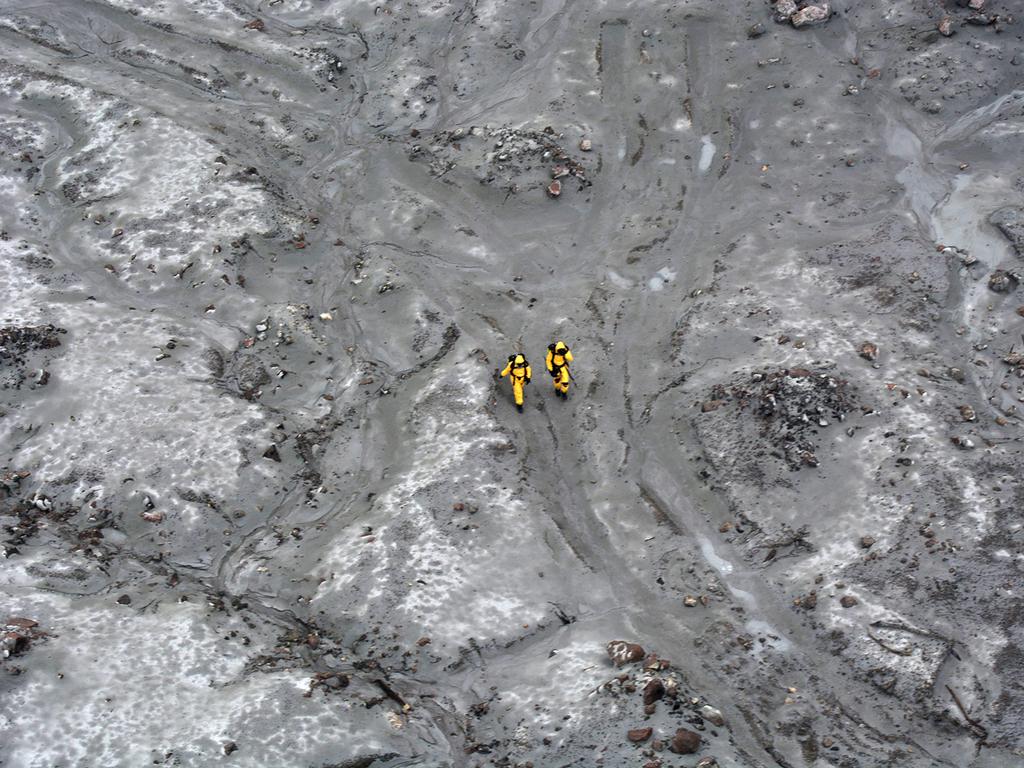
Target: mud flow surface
column 266, row 503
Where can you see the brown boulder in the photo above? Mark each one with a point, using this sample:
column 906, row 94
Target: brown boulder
column 639, row 735
column 685, row 742
column 654, row 690
column 621, row 652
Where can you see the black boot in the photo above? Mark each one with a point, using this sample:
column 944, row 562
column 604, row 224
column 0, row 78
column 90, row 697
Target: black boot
column 519, row 408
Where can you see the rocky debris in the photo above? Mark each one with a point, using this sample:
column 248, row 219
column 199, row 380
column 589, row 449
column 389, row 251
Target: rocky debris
column 800, row 14
column 508, row 157
column 867, row 542
column 246, row 375
column 17, row 340
column 1010, row 221
column 755, row 31
column 945, row 27
column 784, row 10
column 811, row 14
column 848, row 601
column 685, row 742
column 639, row 735
column 967, row 413
column 868, row 351
column 1002, row 281
column 229, row 747
column 17, row 343
column 808, row 602
column 1016, row 361
column 792, row 405
column 707, row 762
column 17, row 635
column 621, row 652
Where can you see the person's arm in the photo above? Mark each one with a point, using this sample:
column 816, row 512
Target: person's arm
column 547, row 361
column 529, row 374
column 568, row 356
column 508, row 370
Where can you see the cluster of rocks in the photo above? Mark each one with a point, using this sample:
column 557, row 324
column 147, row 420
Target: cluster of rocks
column 17, row 342
column 801, row 14
column 512, row 153
column 18, row 635
column 655, row 681
column 792, row 403
column 977, row 15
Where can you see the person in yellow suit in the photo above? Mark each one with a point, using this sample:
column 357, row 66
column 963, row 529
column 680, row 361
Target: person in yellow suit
column 519, row 373
column 557, row 361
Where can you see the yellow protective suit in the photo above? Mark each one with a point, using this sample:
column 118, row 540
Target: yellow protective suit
column 557, row 362
column 519, row 373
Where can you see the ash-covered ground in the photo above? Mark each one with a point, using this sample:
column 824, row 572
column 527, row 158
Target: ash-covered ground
column 265, row 504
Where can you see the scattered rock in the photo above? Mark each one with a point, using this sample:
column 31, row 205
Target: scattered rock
column 230, row 747
column 868, row 351
column 707, row 762
column 811, row 14
column 152, row 516
column 272, row 454
column 621, row 652
column 124, row 600
column 586, row 145
column 712, row 715
column 967, row 413
column 945, row 27
column 784, row 9
column 710, row 405
column 808, row 602
column 1002, row 281
column 867, row 542
column 555, row 188
column 639, row 735
column 755, row 31
column 653, row 691
column 848, row 601
column 423, row 641
column 1010, row 221
column 685, row 742
column 256, row 24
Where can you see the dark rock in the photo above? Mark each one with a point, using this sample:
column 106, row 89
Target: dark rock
column 621, row 652
column 229, row 747
column 685, row 742
column 124, row 600
column 755, row 31
column 654, row 690
column 848, row 601
column 272, row 454
column 866, row 542
column 639, row 735
column 1010, row 221
column 1002, row 281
